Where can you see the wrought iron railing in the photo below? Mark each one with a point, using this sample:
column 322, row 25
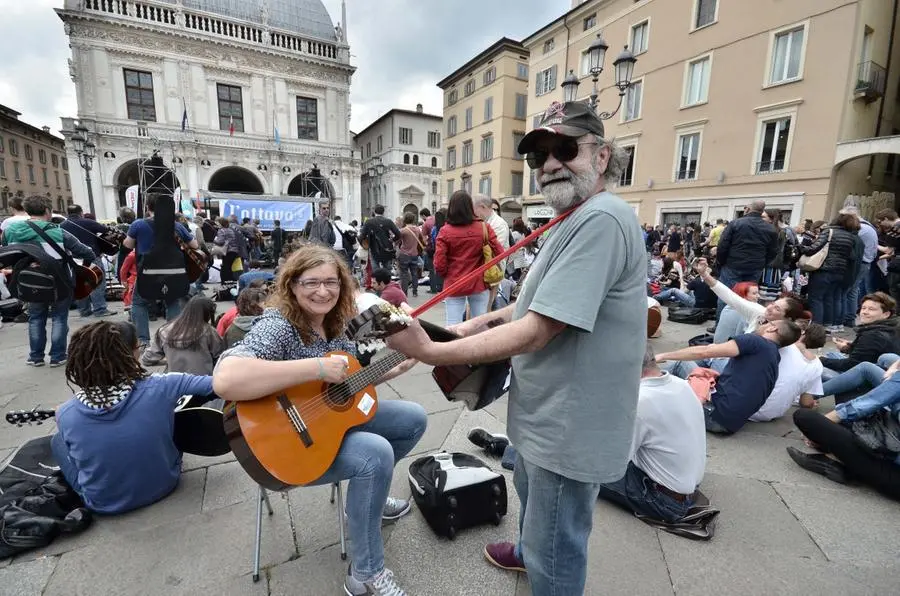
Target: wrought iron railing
column 871, row 79
column 770, row 166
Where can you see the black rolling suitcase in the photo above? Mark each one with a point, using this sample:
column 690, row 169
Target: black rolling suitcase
column 456, row 491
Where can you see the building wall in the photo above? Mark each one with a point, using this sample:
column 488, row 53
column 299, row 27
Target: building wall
column 502, row 127
column 186, row 65
column 21, row 138
column 402, row 185
column 739, row 101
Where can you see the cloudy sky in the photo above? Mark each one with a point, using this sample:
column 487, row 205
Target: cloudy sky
column 401, row 48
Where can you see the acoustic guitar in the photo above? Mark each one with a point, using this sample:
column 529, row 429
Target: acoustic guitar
column 87, row 279
column 195, row 260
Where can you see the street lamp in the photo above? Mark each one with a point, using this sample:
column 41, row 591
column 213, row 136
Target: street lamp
column 86, row 151
column 624, row 65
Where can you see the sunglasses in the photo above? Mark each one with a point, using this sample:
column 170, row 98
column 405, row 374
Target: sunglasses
column 565, row 150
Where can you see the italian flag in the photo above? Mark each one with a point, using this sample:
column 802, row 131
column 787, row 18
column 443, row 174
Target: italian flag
column 231, row 125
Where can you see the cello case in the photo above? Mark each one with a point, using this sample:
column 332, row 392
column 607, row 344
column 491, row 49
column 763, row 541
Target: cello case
column 162, row 274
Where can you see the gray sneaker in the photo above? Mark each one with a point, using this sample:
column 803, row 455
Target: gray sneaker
column 382, row 584
column 395, row 508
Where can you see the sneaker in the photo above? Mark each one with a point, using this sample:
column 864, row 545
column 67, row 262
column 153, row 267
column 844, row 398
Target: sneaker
column 84, row 315
column 105, row 313
column 494, row 444
column 395, row 508
column 820, row 464
column 503, row 555
column 35, row 363
column 382, row 584
column 58, row 363
column 711, row 329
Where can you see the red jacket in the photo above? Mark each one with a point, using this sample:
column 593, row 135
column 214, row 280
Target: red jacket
column 458, row 252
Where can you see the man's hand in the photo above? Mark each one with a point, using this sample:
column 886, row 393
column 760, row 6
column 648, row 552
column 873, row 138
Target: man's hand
column 842, row 344
column 412, row 341
column 660, row 358
column 891, row 370
column 702, row 267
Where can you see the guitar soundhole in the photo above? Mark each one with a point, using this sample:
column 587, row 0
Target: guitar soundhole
column 339, row 397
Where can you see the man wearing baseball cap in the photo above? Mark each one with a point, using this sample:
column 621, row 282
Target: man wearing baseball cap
column 576, row 335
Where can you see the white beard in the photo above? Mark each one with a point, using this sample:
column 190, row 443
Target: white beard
column 572, row 190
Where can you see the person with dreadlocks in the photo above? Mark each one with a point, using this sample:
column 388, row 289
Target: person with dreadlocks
column 188, row 344
column 314, row 298
column 114, row 442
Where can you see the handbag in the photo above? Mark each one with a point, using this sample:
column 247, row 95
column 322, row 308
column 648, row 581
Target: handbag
column 879, row 433
column 493, row 275
column 815, row 261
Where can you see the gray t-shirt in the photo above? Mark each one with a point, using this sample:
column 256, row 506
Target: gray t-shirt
column 572, row 404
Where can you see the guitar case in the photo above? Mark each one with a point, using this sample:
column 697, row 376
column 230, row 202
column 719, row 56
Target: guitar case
column 162, row 273
column 456, row 491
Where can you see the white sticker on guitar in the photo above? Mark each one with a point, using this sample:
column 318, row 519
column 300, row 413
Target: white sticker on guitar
column 365, row 404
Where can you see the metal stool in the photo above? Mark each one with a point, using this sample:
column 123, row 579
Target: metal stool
column 264, row 498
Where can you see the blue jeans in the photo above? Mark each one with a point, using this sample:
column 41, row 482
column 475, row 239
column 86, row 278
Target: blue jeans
column 826, row 297
column 853, row 294
column 730, row 277
column 367, row 458
column 863, row 286
column 555, row 521
column 731, row 324
column 677, row 295
column 886, row 395
column 37, row 330
column 827, row 373
column 409, row 273
column 863, row 375
column 140, row 314
column 96, row 302
column 637, row 492
column 682, row 368
column 455, row 306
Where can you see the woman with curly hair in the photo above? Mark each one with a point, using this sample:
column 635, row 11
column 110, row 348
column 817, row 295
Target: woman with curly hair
column 313, row 300
column 114, row 442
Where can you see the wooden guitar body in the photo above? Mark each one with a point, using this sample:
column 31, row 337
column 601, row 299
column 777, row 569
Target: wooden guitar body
column 278, row 449
column 87, row 279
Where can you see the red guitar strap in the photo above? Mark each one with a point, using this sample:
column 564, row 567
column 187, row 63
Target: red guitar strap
column 480, row 271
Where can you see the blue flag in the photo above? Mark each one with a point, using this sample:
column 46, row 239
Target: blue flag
column 277, row 135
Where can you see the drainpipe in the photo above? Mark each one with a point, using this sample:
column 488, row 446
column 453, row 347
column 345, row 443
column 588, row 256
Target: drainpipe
column 887, row 71
column 565, row 71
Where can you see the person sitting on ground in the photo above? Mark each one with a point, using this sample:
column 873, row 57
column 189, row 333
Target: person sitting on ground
column 387, row 289
column 696, row 295
column 250, row 306
column 861, row 378
column 876, row 334
column 189, row 344
column 668, row 451
column 746, row 379
column 114, row 440
column 843, row 455
column 799, row 375
column 732, row 322
column 231, row 314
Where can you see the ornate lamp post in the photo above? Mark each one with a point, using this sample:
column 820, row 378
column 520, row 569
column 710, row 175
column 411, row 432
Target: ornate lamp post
column 86, row 151
column 624, row 66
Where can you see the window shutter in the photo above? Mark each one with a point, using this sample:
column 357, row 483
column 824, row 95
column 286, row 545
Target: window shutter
column 537, row 84
column 553, row 77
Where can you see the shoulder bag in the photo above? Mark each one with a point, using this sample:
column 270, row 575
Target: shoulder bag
column 815, row 261
column 493, row 275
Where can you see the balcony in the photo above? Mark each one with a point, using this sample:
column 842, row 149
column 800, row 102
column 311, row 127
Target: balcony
column 771, row 166
column 871, row 79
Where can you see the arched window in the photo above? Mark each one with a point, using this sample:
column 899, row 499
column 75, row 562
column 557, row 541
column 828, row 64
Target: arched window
column 434, row 188
column 415, row 160
column 406, row 158
column 433, row 162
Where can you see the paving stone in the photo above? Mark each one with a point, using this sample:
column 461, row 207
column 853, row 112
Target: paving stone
column 439, row 426
column 852, row 526
column 184, row 501
column 181, row 557
column 411, row 387
column 319, row 572
column 227, row 484
column 314, row 517
column 434, row 401
column 753, row 515
column 27, row 579
column 193, row 462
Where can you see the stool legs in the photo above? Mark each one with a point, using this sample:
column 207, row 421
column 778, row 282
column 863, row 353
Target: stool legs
column 340, row 512
column 262, row 497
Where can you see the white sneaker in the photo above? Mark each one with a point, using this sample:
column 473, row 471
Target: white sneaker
column 395, row 508
column 382, row 584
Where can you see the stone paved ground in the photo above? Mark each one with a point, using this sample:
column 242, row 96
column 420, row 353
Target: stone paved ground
column 781, row 531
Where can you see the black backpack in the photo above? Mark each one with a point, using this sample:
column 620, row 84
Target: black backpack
column 36, row 276
column 162, row 274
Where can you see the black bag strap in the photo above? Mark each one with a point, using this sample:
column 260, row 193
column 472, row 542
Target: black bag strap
column 40, row 232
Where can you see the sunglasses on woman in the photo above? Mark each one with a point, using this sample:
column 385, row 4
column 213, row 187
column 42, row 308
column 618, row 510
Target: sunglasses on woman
column 563, row 151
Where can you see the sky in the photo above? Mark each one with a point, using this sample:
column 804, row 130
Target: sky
column 401, row 49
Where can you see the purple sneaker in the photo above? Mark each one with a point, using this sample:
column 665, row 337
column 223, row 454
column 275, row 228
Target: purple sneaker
column 503, row 555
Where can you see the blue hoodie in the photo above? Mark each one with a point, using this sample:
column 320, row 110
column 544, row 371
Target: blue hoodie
column 124, row 458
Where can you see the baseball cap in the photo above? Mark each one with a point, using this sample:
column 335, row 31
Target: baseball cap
column 570, row 119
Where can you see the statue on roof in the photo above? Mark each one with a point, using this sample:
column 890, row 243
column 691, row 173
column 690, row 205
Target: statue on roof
column 339, row 32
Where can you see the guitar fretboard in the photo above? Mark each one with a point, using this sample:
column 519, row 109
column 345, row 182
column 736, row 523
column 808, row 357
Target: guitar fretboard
column 367, row 376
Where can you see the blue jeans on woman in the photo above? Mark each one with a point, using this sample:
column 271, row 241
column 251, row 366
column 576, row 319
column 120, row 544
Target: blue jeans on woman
column 637, row 492
column 140, row 313
column 409, row 273
column 455, row 306
column 864, row 375
column 367, row 458
column 826, row 297
column 555, row 520
column 683, row 298
column 38, row 312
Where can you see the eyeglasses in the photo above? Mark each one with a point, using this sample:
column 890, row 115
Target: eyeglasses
column 565, row 150
column 314, row 284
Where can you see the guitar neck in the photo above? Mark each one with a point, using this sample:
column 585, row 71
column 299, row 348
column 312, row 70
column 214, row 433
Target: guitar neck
column 370, row 374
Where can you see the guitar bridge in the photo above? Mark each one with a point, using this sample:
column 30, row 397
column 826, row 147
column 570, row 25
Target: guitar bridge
column 296, row 420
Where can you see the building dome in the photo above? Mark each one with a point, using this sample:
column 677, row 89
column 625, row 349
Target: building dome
column 305, row 17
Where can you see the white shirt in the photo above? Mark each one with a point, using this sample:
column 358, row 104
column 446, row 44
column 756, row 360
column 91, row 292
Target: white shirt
column 501, row 230
column 669, row 442
column 11, row 220
column 796, row 376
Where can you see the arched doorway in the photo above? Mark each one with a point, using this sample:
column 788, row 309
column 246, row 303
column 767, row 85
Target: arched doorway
column 411, row 208
column 235, row 179
column 311, row 184
column 128, row 175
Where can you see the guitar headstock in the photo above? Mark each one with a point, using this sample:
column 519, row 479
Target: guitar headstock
column 20, row 417
column 375, row 323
